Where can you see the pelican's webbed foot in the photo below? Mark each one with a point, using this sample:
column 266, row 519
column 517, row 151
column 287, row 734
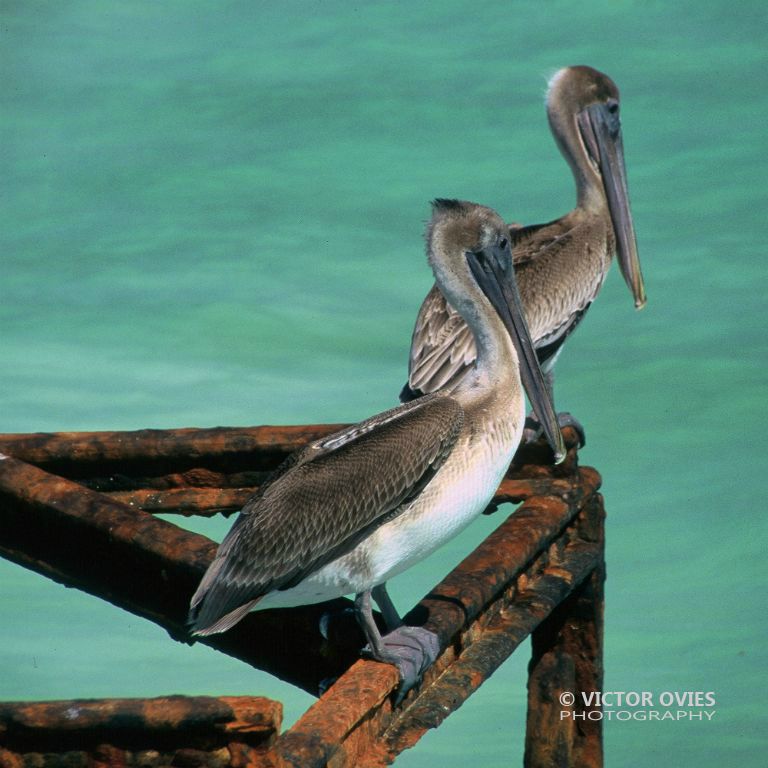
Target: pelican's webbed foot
column 411, row 649
column 533, row 431
column 565, row 419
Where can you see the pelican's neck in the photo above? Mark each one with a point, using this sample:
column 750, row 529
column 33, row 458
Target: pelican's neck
column 496, row 366
column 590, row 194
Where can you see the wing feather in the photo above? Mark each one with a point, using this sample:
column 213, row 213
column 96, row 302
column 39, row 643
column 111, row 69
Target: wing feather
column 533, row 242
column 442, row 348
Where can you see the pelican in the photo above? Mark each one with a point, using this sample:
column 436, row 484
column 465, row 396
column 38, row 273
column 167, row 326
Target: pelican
column 356, row 508
column 559, row 266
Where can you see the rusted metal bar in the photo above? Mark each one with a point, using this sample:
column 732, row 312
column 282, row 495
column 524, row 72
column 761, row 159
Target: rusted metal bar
column 94, row 447
column 149, row 454
column 353, row 724
column 155, row 451
column 211, row 471
column 567, row 652
column 193, row 731
column 502, row 556
column 191, row 500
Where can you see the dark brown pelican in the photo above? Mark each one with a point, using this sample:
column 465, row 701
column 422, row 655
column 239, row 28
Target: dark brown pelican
column 354, row 509
column 559, row 266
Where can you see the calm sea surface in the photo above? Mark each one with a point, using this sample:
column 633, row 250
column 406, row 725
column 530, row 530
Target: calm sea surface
column 215, row 216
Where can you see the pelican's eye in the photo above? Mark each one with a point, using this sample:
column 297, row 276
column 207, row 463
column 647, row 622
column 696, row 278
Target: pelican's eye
column 613, row 106
column 503, row 243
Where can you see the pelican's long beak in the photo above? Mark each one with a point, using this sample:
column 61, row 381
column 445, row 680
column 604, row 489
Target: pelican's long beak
column 601, row 130
column 503, row 295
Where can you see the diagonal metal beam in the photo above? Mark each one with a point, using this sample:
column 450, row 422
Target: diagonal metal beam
column 149, row 567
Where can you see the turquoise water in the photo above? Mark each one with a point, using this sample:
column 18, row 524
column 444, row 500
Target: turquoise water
column 214, row 217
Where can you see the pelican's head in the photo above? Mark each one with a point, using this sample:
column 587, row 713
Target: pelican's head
column 469, row 251
column 583, row 110
column 458, row 227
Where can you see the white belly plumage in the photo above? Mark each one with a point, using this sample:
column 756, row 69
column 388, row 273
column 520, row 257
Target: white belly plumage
column 457, row 494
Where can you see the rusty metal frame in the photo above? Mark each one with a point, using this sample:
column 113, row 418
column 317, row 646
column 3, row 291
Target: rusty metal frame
column 172, row 730
column 539, row 573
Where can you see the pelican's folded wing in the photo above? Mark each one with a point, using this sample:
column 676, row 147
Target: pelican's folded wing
column 322, row 503
column 442, row 348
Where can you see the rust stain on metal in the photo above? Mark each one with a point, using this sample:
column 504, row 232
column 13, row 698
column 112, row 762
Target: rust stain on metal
column 185, row 495
column 179, row 730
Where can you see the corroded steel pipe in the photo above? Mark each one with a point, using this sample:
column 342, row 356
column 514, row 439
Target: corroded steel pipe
column 152, row 452
column 95, row 447
column 203, row 718
column 156, row 452
column 567, row 656
column 504, row 553
column 201, row 730
column 190, row 500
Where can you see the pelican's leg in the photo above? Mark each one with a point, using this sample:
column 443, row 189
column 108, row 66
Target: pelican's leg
column 410, row 649
column 386, row 606
column 379, row 593
column 533, row 431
